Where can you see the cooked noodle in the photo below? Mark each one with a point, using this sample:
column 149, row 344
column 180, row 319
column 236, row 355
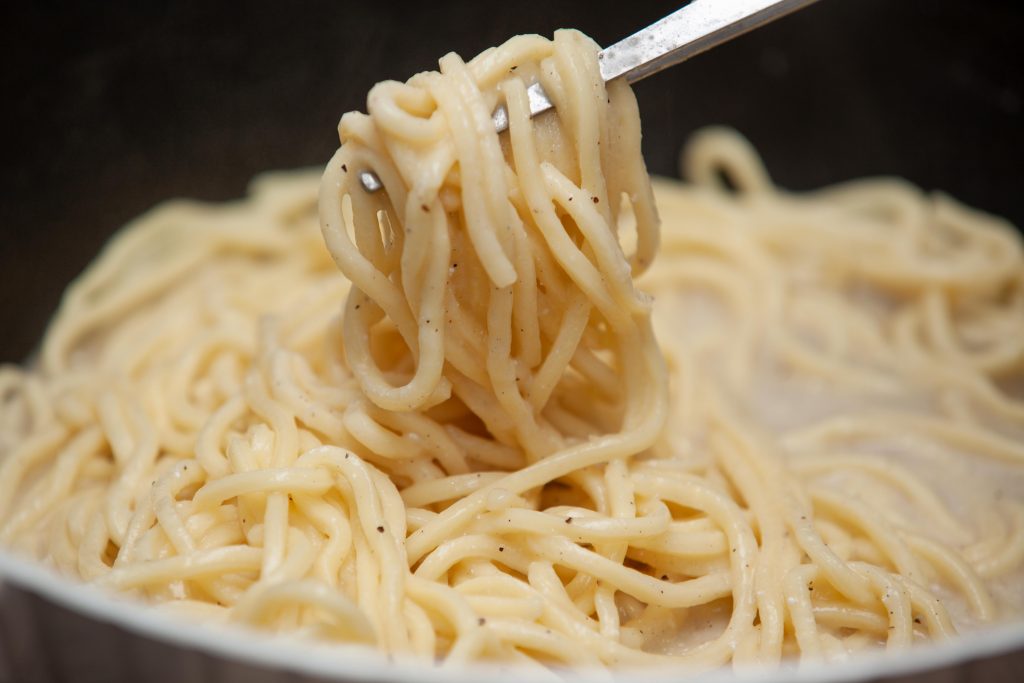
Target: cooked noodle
column 487, row 455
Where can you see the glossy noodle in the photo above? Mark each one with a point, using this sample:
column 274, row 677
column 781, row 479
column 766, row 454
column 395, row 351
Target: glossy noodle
column 506, row 429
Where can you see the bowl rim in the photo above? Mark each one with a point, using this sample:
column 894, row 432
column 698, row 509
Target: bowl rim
column 350, row 662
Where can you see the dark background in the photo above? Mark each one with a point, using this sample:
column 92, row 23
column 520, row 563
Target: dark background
column 110, row 107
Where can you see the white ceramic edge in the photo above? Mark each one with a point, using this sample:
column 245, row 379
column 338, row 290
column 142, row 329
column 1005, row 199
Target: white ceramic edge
column 349, row 662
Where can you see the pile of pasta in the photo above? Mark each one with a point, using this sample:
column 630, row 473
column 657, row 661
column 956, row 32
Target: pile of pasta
column 470, row 416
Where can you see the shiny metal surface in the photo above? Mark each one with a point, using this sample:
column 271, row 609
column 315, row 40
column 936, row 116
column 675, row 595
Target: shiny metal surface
column 687, row 32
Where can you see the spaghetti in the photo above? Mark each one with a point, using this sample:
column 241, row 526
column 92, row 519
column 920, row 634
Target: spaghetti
column 807, row 443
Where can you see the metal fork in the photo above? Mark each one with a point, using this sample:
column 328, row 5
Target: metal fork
column 699, row 26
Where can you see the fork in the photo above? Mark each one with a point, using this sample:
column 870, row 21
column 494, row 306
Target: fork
column 690, row 30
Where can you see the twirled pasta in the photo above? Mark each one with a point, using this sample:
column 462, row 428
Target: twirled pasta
column 487, row 453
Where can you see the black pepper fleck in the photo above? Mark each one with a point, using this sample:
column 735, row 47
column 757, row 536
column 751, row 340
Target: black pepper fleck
column 380, row 529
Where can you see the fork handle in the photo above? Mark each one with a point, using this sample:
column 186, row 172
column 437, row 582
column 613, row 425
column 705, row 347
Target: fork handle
column 688, row 31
